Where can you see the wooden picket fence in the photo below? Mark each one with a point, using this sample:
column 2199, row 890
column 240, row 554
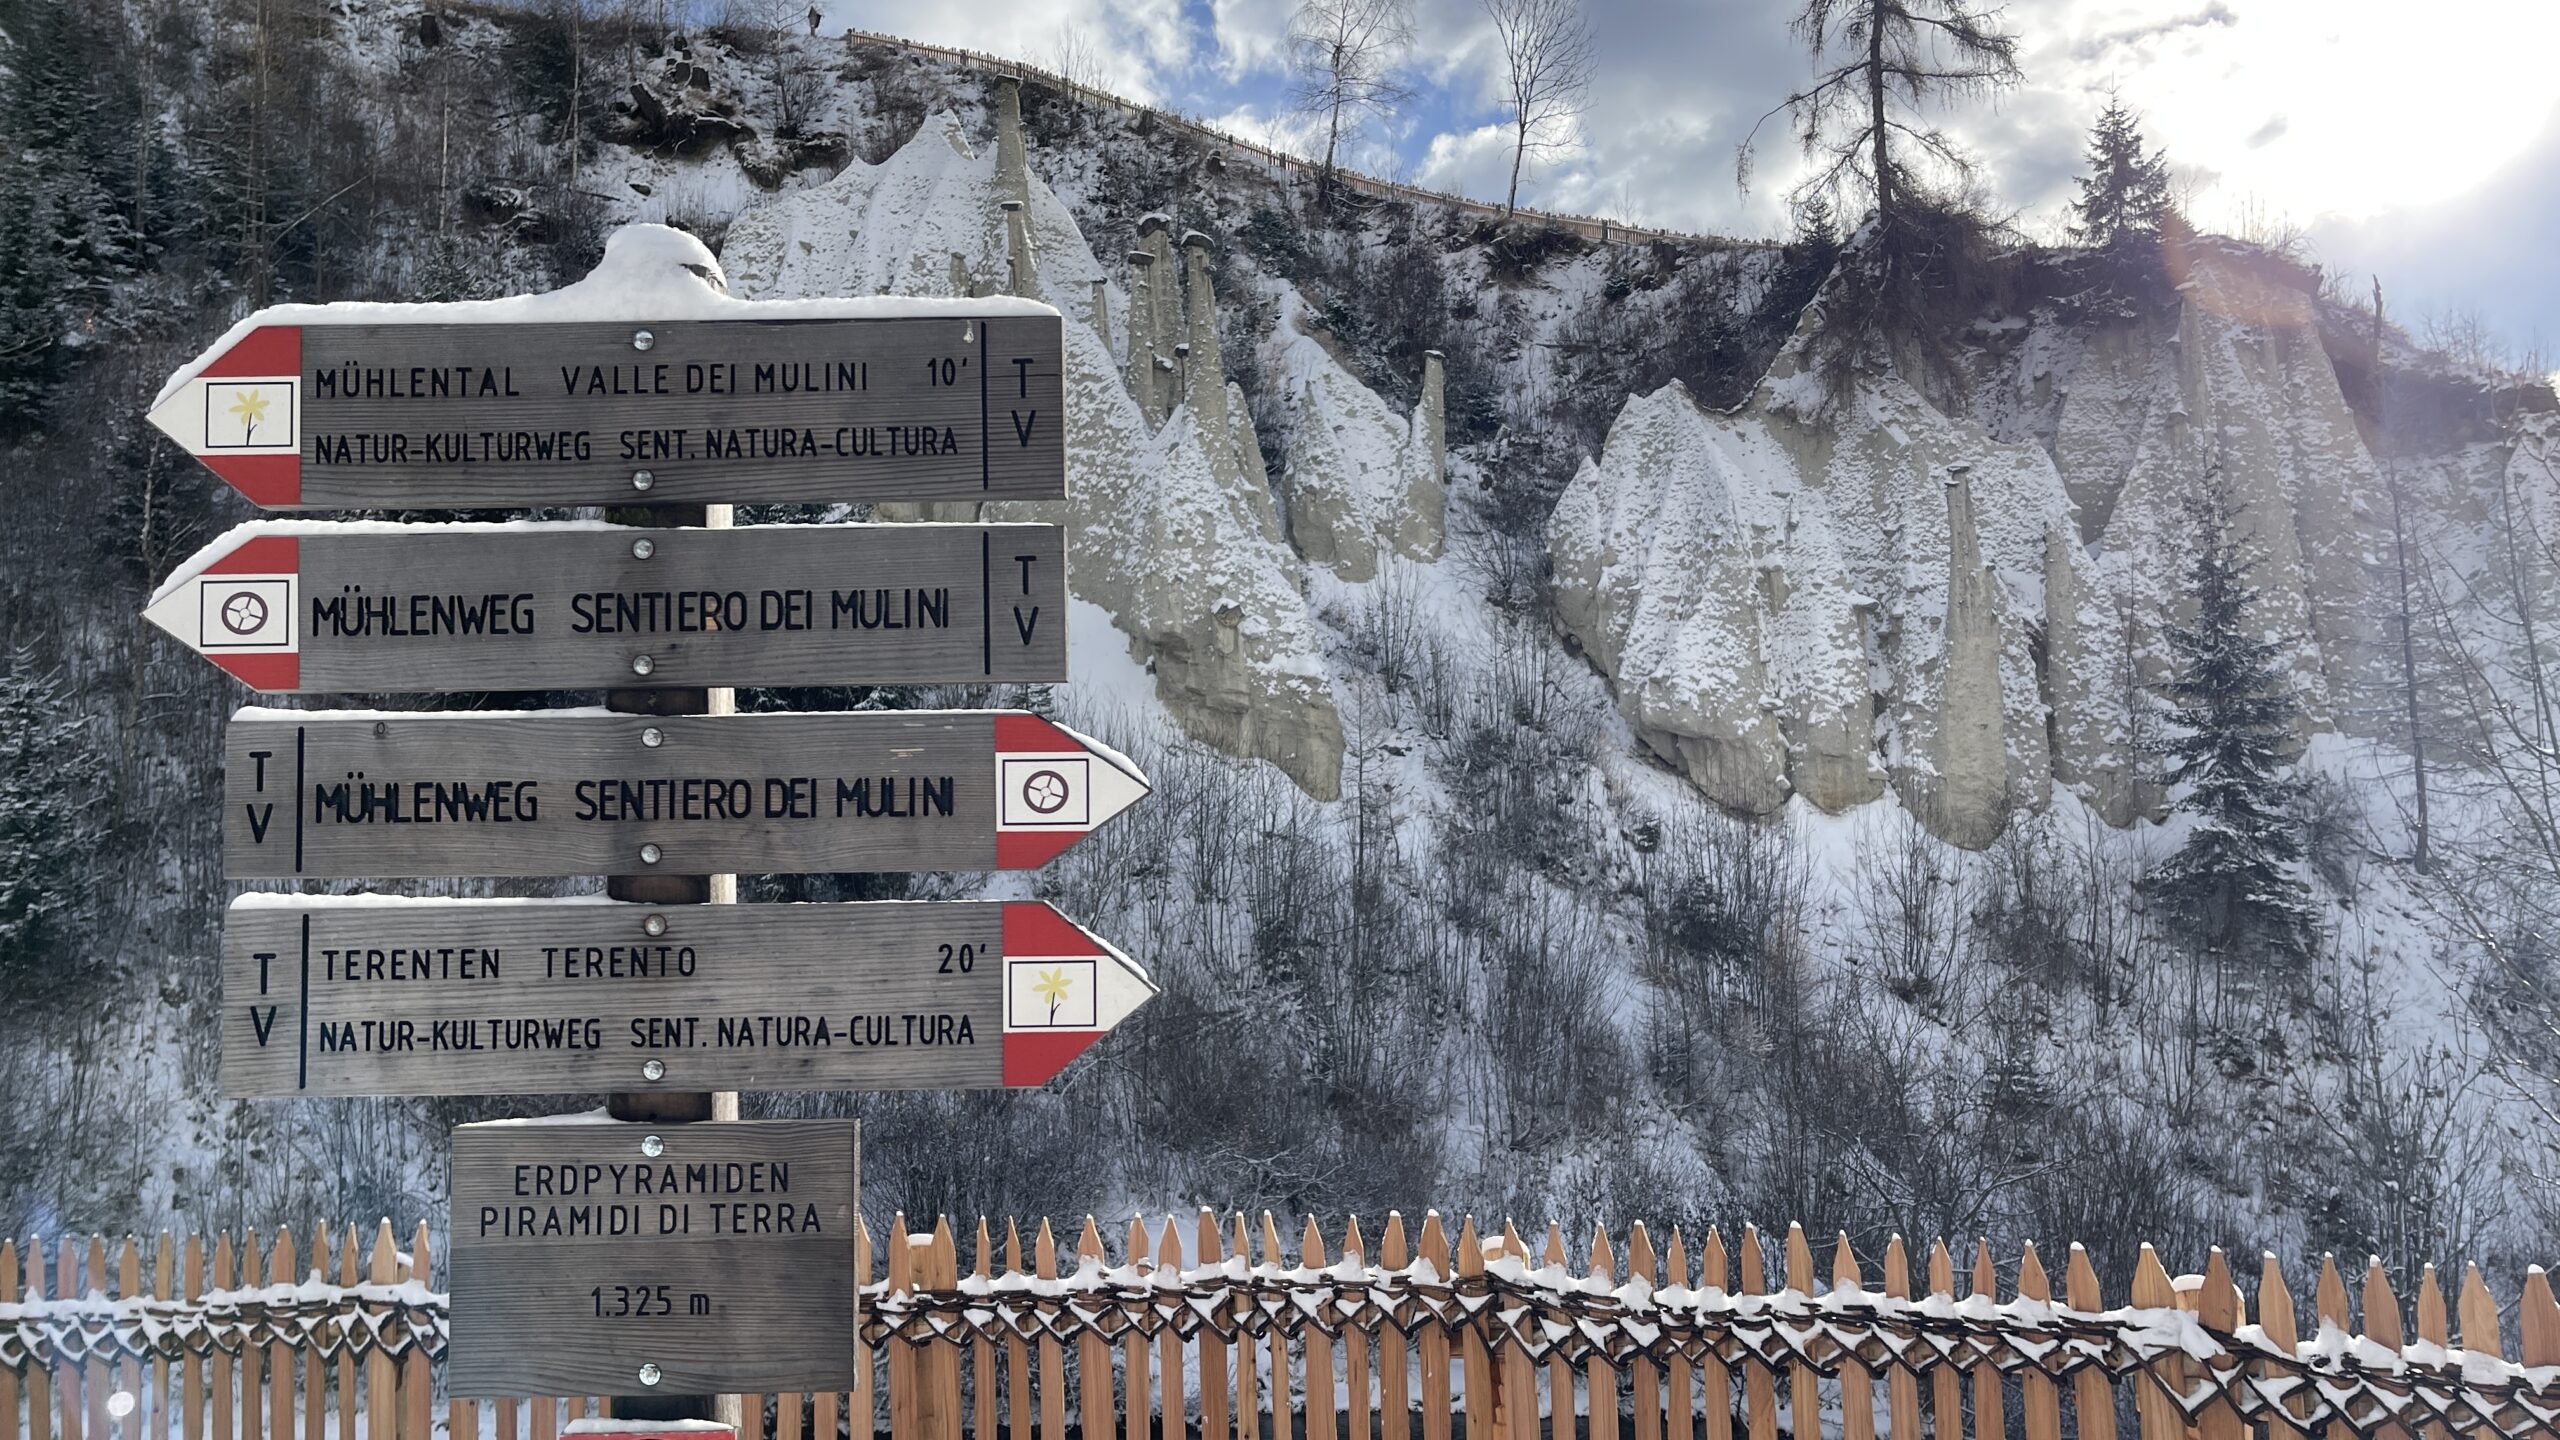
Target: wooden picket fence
column 1217, row 1328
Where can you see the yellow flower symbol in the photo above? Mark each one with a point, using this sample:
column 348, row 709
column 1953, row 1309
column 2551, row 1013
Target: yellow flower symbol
column 1053, row 988
column 251, row 407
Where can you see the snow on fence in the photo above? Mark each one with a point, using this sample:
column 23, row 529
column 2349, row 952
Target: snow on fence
column 1473, row 1335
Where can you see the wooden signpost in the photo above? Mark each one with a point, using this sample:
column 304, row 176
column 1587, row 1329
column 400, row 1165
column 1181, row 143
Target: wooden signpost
column 650, row 1251
column 413, row 415
column 304, row 606
column 586, row 1254
column 372, row 995
column 310, row 794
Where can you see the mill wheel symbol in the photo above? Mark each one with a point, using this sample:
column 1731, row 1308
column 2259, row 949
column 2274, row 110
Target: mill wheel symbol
column 244, row 613
column 1045, row 792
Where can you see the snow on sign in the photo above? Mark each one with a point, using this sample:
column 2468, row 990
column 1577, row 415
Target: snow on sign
column 289, row 605
column 699, row 1259
column 321, row 794
column 371, row 995
column 406, row 413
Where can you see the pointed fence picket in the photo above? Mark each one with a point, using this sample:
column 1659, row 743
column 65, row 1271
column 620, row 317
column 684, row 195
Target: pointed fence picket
column 1317, row 1340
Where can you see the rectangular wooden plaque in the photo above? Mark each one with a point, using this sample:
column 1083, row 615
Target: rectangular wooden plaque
column 299, row 607
column 725, row 1260
column 311, row 794
column 443, row 416
column 372, row 995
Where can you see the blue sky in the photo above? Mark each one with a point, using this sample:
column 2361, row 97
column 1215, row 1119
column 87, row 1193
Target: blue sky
column 2428, row 152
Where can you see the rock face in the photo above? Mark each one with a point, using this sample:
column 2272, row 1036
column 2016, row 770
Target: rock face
column 1173, row 527
column 1361, row 481
column 1862, row 586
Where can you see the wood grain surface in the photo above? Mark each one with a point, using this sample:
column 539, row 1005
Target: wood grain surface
column 581, row 794
column 444, row 608
column 729, row 1271
column 806, row 411
column 532, row 996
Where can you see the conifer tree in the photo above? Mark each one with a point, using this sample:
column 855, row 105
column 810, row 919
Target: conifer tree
column 2232, row 885
column 2126, row 191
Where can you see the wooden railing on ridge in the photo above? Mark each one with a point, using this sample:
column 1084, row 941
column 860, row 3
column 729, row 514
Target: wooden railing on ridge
column 1224, row 1328
column 1589, row 227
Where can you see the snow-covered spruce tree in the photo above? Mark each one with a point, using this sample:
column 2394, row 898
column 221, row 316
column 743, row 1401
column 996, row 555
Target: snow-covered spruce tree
column 2126, row 191
column 2233, row 887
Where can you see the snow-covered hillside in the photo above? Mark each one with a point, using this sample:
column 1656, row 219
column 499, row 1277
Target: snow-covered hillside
column 1604, row 767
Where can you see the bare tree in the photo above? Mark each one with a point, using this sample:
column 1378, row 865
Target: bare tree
column 1547, row 53
column 1862, row 119
column 1343, row 56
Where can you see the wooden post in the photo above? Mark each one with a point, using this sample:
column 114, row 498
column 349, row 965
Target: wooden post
column 1169, row 1344
column 1093, row 1356
column 1053, row 1364
column 2329, row 1302
column 1479, row 1389
column 1857, row 1388
column 1946, row 1391
column 2537, row 1321
column 673, row 1107
column 903, row 1380
column 1759, row 1385
column 381, row 1376
column 2218, row 1310
column 2436, row 1328
column 315, row 1371
column 862, row 1401
column 1901, row 1387
column 351, row 1272
column 191, row 1369
column 1395, row 1418
column 1519, row 1376
column 1804, row 1388
column 1990, row 1406
column 2160, row 1416
column 1213, row 1351
column 1017, row 1353
column 2478, row 1311
column 1684, row 1405
column 8, row 1376
column 1713, row 1374
column 2093, row 1398
column 982, row 1355
column 1560, row 1382
column 1355, row 1343
column 1436, row 1399
column 129, row 1286
column 102, row 1380
column 1248, row 1391
column 2382, row 1327
column 1645, row 1385
column 2276, row 1322
column 1600, row 1381
column 938, row 1396
column 1280, row 1364
column 280, row 1271
column 225, row 1421
column 66, row 1374
column 1133, row 1349
column 1318, row 1346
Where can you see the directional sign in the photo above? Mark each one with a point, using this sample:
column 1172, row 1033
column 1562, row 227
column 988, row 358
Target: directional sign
column 289, row 605
column 311, row 793
column 371, row 995
column 410, row 416
column 718, row 1255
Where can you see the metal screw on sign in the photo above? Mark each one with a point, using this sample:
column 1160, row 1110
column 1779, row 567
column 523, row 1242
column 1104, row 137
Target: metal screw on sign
column 654, row 926
column 642, row 664
column 653, row 737
column 650, row 854
column 653, row 1070
column 642, row 479
column 653, row 1147
column 643, row 549
column 650, row 1375
column 642, row 339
